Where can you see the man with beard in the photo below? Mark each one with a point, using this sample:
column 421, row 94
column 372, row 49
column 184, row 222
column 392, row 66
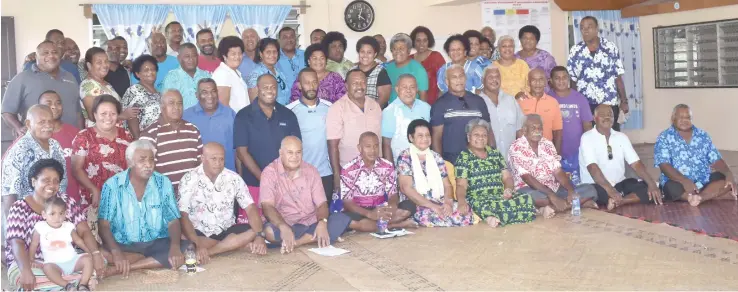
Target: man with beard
column 117, row 76
column 250, row 40
column 166, row 63
column 185, row 77
column 56, row 37
column 291, row 59
column 174, row 32
column 311, row 113
column 207, row 61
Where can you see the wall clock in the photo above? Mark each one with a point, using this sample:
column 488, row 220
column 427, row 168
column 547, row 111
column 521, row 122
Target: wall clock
column 359, row 15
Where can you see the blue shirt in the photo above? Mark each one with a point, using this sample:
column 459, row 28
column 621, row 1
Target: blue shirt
column 473, row 76
column 693, row 160
column 247, row 65
column 397, row 117
column 263, row 136
column 313, row 131
column 291, row 67
column 283, row 91
column 217, row 127
column 482, row 62
column 169, row 64
column 453, row 113
column 595, row 73
column 132, row 220
column 179, row 79
column 64, row 64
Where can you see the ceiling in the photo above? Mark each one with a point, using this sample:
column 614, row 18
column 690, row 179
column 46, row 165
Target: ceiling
column 574, row 5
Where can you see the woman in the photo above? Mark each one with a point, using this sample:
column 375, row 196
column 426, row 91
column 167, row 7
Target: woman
column 423, row 42
column 423, row 179
column 143, row 95
column 25, row 271
column 490, row 34
column 331, row 86
column 232, row 90
column 402, row 63
column 475, row 48
column 535, row 58
column 335, row 44
column 378, row 84
column 266, row 60
column 64, row 134
column 484, row 183
column 514, row 72
column 99, row 153
column 97, row 65
column 457, row 49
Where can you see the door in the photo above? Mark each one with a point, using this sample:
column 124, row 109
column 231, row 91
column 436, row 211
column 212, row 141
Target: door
column 9, row 69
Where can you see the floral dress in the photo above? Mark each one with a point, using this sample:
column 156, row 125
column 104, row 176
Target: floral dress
column 138, row 96
column 485, row 191
column 330, row 89
column 425, row 216
column 90, row 87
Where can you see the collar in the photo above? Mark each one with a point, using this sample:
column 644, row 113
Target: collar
column 318, row 102
column 584, row 49
column 200, row 171
column 126, row 178
column 297, row 53
column 544, row 97
column 257, row 109
column 198, row 109
column 283, row 172
column 674, row 130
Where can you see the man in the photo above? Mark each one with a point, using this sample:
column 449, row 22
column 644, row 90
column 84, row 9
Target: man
column 293, row 202
column 475, row 54
column 118, row 76
column 686, row 156
column 602, row 157
column 250, row 41
column 56, row 37
column 542, row 104
column 452, row 111
column 137, row 200
column 25, row 88
column 206, row 202
column 214, row 120
column 369, row 181
column 178, row 143
column 174, row 33
column 166, row 63
column 71, row 51
column 291, row 59
column 537, row 171
column 207, row 61
column 350, row 116
column 185, row 77
column 576, row 119
column 506, row 117
column 398, row 115
column 311, row 114
column 317, row 36
column 382, row 48
column 64, row 134
column 603, row 82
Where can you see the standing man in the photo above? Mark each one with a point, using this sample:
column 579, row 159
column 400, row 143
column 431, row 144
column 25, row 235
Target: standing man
column 317, row 36
column 381, row 54
column 250, row 40
column 396, row 117
column 208, row 60
column 291, row 59
column 57, row 38
column 601, row 81
column 166, row 63
column 542, row 104
column 185, row 77
column 118, row 76
column 174, row 33
column 506, row 117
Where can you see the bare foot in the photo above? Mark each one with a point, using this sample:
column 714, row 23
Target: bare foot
column 408, row 223
column 611, row 204
column 492, row 222
column 694, row 200
column 547, row 212
column 590, row 204
column 559, row 204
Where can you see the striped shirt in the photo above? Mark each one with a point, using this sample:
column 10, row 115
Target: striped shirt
column 177, row 150
column 453, row 113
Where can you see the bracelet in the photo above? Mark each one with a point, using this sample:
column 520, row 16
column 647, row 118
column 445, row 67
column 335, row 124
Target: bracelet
column 96, row 252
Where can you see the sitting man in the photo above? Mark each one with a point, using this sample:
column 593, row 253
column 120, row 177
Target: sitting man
column 138, row 215
column 536, row 169
column 206, row 199
column 602, row 156
column 685, row 154
column 368, row 182
column 294, row 202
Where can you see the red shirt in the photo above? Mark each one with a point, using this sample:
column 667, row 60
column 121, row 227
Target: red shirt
column 65, row 136
column 206, row 64
column 103, row 158
column 431, row 64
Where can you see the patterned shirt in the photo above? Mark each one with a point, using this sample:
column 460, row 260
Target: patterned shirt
column 177, row 150
column 132, row 220
column 18, row 160
column 187, row 85
column 340, row 68
column 473, row 77
column 375, row 77
column 484, row 175
column 103, row 158
column 92, row 88
column 693, row 159
column 283, row 92
column 541, row 59
column 210, row 205
column 330, row 89
column 405, row 167
column 595, row 73
column 296, row 199
column 541, row 166
column 150, row 104
column 368, row 186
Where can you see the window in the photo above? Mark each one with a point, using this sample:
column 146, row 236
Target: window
column 293, row 20
column 98, row 33
column 697, row 55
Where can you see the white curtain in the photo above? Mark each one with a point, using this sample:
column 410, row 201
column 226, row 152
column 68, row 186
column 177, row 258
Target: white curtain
column 133, row 22
column 267, row 20
column 196, row 17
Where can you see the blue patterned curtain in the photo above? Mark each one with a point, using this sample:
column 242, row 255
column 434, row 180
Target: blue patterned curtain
column 266, row 19
column 625, row 33
column 132, row 22
column 196, row 17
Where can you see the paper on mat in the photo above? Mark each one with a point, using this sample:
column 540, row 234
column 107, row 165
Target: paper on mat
column 329, row 251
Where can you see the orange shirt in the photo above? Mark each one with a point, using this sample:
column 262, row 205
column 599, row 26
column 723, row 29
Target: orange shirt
column 548, row 108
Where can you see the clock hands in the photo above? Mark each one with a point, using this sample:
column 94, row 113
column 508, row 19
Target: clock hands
column 361, row 17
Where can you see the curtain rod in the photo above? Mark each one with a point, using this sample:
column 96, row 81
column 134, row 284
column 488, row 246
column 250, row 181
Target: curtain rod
column 293, row 6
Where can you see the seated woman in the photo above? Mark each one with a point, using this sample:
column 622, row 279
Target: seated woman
column 424, row 180
column 481, row 177
column 24, row 272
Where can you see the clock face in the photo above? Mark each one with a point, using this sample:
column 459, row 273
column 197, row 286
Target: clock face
column 359, row 15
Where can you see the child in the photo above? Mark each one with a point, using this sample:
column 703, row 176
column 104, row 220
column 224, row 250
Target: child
column 55, row 237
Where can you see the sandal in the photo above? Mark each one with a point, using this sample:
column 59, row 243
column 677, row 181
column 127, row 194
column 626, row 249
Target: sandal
column 81, row 287
column 69, row 287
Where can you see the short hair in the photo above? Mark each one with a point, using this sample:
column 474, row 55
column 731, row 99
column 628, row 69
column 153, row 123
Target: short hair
column 105, row 98
column 55, row 201
column 284, row 28
column 317, row 30
column 488, row 69
column 311, row 49
column 187, row 46
column 90, row 54
column 530, row 29
column 353, row 71
column 169, row 25
column 678, row 107
column 401, row 37
column 47, row 92
column 226, row 44
column 592, row 18
column 414, row 125
column 367, row 40
column 505, row 38
column 473, row 34
column 455, row 66
column 477, row 122
column 427, row 32
column 558, row 69
column 138, row 144
column 457, row 37
column 266, row 76
column 263, row 44
column 206, row 80
column 332, row 37
column 39, row 166
column 119, row 38
column 43, row 43
column 202, row 31
column 367, row 134
column 534, row 118
column 303, row 71
column 138, row 63
column 484, row 40
column 406, row 75
column 52, row 32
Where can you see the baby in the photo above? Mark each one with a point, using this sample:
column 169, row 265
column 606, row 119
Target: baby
column 55, row 237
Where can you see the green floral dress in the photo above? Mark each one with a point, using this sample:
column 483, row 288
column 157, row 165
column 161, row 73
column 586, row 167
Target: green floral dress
column 485, row 189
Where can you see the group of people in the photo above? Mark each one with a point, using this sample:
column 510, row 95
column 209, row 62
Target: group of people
column 256, row 143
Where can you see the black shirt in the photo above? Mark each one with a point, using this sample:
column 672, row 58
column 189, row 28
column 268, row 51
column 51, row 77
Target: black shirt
column 120, row 80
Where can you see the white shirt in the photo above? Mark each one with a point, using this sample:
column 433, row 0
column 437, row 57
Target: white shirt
column 56, row 243
column 593, row 149
column 171, row 52
column 227, row 77
column 506, row 118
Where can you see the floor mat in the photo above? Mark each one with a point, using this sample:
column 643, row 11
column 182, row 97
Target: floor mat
column 714, row 218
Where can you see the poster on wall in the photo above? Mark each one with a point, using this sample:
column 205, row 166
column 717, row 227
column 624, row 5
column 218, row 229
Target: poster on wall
column 506, row 17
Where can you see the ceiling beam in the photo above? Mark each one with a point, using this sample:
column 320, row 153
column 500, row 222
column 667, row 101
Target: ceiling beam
column 652, row 7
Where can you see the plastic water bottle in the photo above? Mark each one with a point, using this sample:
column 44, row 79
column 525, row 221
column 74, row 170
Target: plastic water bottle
column 382, row 222
column 576, row 208
column 191, row 260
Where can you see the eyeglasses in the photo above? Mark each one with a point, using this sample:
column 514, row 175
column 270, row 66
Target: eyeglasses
column 282, row 84
column 609, row 152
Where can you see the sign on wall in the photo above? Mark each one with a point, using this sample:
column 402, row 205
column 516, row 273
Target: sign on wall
column 506, row 17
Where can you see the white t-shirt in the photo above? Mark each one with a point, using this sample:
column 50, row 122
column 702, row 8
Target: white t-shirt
column 56, row 243
column 593, row 149
column 225, row 76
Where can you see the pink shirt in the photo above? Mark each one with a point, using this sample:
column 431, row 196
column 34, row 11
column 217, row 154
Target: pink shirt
column 346, row 121
column 297, row 199
column 207, row 65
column 541, row 166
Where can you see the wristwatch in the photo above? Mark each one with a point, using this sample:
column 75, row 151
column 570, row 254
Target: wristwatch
column 261, row 234
column 324, row 220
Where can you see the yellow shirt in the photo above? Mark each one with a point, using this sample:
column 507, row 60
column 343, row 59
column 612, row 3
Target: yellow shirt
column 514, row 77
